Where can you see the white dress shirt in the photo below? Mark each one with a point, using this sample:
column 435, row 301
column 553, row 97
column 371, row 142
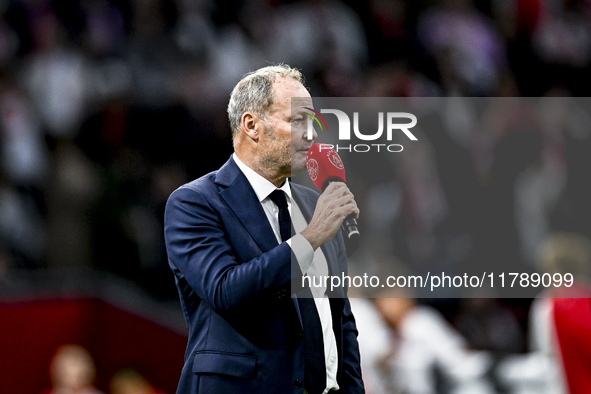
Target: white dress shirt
column 311, row 262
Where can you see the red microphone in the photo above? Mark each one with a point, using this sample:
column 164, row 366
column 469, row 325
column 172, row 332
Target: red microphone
column 325, row 166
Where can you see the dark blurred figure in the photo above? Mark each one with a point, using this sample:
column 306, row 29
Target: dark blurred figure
column 72, row 371
column 24, row 159
column 468, row 49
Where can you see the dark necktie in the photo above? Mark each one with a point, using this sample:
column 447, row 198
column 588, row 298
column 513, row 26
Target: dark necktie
column 315, row 371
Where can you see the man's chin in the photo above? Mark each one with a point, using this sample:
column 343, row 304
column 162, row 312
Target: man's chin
column 298, row 165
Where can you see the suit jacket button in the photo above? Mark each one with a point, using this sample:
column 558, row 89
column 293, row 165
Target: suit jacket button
column 297, row 384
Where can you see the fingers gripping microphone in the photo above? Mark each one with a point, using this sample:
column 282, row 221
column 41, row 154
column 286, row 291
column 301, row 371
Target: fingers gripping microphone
column 325, row 166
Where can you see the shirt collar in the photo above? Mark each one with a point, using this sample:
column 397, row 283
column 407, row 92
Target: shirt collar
column 261, row 186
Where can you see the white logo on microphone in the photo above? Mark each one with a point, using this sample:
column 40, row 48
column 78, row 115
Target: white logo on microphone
column 335, row 160
column 312, row 166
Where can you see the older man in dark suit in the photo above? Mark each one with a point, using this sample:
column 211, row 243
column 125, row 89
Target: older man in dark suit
column 236, row 253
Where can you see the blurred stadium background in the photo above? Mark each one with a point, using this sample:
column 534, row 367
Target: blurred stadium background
column 106, row 106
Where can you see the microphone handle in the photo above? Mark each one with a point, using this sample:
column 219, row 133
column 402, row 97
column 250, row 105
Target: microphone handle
column 349, row 225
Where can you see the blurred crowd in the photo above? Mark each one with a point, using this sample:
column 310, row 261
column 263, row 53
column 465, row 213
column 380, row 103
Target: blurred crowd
column 106, row 106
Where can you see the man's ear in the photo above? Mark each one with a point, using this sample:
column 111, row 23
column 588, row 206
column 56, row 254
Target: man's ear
column 249, row 123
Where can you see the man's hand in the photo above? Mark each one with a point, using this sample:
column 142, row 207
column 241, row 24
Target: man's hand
column 334, row 205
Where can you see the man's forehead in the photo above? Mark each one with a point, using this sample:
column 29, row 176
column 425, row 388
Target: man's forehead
column 288, row 89
column 301, row 106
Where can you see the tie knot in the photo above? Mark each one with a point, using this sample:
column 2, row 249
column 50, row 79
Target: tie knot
column 278, row 197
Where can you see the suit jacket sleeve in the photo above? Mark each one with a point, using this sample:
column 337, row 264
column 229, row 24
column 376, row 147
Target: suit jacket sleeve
column 198, row 246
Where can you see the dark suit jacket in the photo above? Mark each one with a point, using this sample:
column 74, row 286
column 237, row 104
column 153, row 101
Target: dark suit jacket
column 245, row 334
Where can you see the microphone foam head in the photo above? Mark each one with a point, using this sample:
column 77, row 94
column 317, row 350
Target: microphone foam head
column 324, row 165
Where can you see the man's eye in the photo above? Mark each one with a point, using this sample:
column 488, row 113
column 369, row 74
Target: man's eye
column 297, row 120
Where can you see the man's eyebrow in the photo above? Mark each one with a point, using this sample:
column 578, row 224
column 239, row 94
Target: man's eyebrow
column 302, row 110
column 296, row 112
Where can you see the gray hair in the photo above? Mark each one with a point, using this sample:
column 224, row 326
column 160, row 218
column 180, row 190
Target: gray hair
column 254, row 93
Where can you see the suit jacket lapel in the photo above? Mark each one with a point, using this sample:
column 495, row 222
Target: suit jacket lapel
column 243, row 201
column 241, row 198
